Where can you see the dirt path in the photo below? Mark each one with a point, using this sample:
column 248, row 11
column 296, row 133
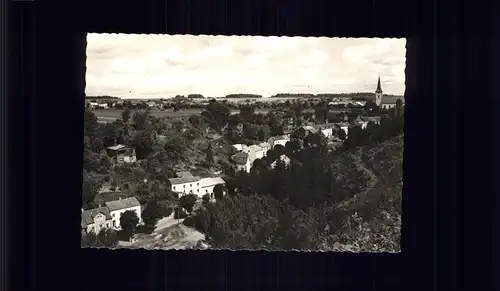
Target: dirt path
column 361, row 196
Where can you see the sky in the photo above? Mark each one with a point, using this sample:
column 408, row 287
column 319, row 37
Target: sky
column 162, row 66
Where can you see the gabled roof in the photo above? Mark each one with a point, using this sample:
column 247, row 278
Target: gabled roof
column 254, row 148
column 208, row 182
column 117, row 147
column 122, row 204
column 240, row 158
column 88, row 215
column 264, row 144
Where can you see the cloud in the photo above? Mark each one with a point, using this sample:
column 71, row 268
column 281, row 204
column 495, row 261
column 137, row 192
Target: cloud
column 162, row 66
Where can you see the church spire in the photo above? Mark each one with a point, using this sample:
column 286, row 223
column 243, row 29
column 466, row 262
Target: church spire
column 379, row 88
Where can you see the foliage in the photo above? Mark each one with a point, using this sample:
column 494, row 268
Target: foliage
column 151, row 214
column 255, row 222
column 175, row 147
column 218, row 191
column 126, row 115
column 187, row 201
column 180, row 213
column 90, row 123
column 205, row 199
column 216, row 115
column 129, row 221
column 106, row 238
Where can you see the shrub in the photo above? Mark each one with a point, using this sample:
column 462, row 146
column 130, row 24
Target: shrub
column 179, row 213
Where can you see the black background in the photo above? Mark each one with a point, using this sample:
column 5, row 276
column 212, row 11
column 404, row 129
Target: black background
column 449, row 147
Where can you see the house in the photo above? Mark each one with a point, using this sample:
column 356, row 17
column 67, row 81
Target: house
column 240, row 147
column 241, row 161
column 93, row 105
column 327, row 132
column 265, row 146
column 94, row 220
column 186, row 184
column 309, row 128
column 344, row 126
column 122, row 154
column 117, row 207
column 282, row 140
column 102, row 105
column 286, row 160
column 207, row 185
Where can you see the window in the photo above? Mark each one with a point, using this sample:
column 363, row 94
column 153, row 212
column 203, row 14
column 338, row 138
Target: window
column 184, row 186
column 198, row 190
column 197, row 184
column 174, row 187
column 190, row 185
column 206, row 190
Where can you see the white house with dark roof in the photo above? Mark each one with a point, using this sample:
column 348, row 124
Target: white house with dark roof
column 117, row 207
column 94, row 220
column 186, row 184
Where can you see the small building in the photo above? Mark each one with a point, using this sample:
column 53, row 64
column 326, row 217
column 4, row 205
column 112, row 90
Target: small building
column 327, row 132
column 117, row 207
column 282, row 140
column 93, row 105
column 122, row 154
column 240, row 147
column 265, row 146
column 186, row 185
column 242, row 162
column 207, row 185
column 94, row 220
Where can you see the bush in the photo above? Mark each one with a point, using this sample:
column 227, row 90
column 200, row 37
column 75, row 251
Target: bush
column 179, row 213
column 187, row 202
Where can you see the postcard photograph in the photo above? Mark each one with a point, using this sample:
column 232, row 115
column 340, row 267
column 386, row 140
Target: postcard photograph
column 243, row 143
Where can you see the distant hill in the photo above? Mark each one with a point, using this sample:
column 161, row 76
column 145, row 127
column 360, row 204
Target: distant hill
column 102, row 97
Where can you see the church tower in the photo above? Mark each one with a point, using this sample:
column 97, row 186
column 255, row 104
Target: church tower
column 378, row 94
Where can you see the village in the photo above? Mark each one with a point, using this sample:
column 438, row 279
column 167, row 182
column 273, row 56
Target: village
column 149, row 215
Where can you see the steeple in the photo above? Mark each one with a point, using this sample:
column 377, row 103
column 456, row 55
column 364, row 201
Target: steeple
column 378, row 94
column 379, row 88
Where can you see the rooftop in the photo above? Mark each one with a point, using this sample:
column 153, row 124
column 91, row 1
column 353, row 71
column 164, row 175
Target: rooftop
column 122, row 203
column 118, row 147
column 88, row 215
column 207, row 182
column 240, row 158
